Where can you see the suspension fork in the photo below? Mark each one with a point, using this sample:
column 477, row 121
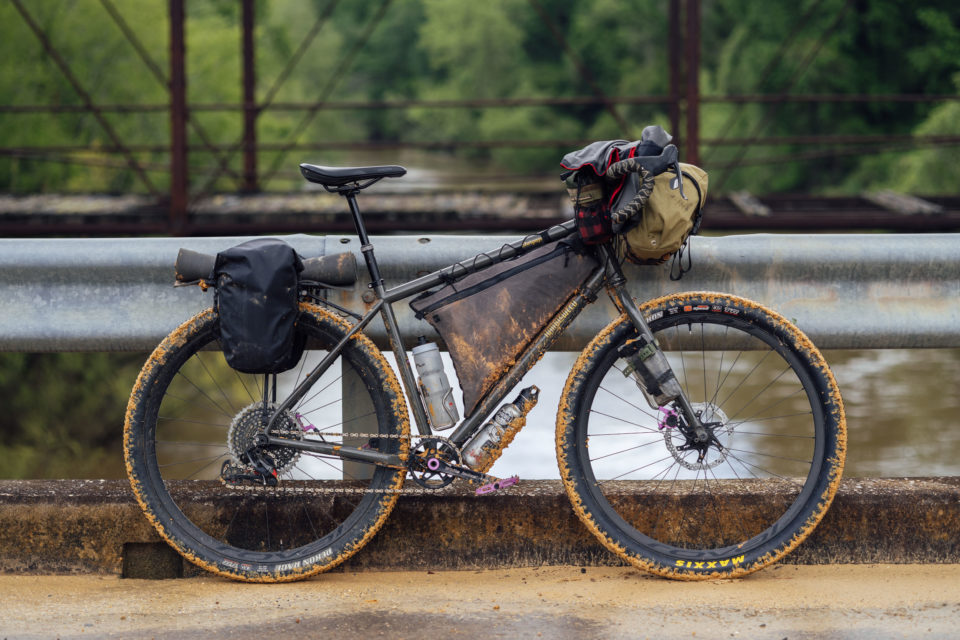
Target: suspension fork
column 617, row 282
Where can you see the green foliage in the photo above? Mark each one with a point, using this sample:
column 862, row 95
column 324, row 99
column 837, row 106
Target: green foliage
column 497, row 49
column 63, row 413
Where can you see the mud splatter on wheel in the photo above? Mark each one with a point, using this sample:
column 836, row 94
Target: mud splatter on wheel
column 686, row 509
column 190, row 415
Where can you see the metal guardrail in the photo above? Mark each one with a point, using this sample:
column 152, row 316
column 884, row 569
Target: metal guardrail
column 844, row 291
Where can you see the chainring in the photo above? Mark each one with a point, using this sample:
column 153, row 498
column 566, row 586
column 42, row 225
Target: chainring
column 426, row 470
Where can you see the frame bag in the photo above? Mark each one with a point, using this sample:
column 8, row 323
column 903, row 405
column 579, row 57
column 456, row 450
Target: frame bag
column 489, row 317
column 257, row 285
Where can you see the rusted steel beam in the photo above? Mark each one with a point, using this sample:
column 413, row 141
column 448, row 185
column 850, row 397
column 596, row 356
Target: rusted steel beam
column 179, row 183
column 84, row 96
column 834, row 139
column 157, row 73
column 692, row 45
column 271, row 93
column 492, row 103
column 249, row 102
column 891, row 144
column 675, row 63
column 833, row 97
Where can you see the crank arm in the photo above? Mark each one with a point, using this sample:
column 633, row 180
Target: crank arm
column 340, row 451
column 462, row 472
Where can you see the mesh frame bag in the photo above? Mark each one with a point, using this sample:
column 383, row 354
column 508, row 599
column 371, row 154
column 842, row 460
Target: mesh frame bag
column 257, row 289
column 489, row 317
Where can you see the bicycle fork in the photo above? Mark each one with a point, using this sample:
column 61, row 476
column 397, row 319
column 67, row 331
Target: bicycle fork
column 649, row 365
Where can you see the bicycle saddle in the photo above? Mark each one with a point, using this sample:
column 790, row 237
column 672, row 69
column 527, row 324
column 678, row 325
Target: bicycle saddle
column 340, row 176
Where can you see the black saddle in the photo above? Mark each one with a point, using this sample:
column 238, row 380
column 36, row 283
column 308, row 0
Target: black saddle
column 342, row 176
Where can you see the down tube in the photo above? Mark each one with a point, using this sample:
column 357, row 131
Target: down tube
column 547, row 338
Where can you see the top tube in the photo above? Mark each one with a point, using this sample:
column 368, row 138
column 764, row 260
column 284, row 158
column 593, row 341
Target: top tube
column 480, row 261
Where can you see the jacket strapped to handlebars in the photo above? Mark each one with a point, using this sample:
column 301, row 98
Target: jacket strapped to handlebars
column 638, row 191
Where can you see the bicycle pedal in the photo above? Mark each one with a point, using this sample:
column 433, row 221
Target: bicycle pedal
column 487, row 489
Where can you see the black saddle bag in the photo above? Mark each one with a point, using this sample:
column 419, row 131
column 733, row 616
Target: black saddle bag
column 257, row 284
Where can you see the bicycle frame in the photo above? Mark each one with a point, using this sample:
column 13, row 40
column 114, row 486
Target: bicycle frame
column 607, row 273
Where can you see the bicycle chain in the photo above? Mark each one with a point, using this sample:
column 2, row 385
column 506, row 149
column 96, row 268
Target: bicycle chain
column 301, row 490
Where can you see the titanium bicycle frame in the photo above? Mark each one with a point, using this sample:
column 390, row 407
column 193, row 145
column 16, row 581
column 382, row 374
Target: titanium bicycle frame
column 608, row 272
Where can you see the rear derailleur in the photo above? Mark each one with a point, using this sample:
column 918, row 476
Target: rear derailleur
column 256, row 466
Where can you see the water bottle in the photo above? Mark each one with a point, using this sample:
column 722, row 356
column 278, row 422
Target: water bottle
column 434, row 386
column 653, row 375
column 477, row 452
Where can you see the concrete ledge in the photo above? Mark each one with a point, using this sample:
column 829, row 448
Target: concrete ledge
column 96, row 526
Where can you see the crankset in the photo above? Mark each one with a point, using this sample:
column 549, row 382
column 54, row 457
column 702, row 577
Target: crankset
column 435, row 463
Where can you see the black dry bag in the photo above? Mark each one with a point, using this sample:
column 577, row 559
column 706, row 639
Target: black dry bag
column 257, row 302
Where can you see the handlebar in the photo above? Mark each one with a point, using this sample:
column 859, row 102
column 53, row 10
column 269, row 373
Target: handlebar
column 648, row 167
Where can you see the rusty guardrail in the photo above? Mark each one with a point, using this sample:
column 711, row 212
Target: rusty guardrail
column 845, row 291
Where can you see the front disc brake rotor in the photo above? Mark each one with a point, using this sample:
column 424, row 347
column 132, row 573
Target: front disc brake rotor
column 674, row 438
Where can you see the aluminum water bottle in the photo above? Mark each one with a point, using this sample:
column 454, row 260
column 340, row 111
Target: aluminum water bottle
column 434, row 386
column 485, row 445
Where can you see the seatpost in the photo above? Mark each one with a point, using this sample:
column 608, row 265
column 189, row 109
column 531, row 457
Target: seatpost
column 365, row 247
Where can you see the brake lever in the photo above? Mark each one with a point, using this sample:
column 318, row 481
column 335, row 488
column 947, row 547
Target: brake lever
column 679, row 179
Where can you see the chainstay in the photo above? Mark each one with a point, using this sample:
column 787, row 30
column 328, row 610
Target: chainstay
column 286, row 489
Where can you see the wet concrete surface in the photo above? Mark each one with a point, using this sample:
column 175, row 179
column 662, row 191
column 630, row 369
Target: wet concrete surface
column 796, row 602
column 95, row 526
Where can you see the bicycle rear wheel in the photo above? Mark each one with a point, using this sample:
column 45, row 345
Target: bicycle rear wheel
column 662, row 503
column 190, row 414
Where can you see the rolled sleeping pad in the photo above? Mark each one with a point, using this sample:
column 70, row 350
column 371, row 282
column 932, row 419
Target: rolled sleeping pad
column 339, row 269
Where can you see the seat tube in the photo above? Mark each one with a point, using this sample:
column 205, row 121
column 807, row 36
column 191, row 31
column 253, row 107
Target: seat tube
column 390, row 321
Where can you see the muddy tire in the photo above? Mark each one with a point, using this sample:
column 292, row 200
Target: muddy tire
column 639, row 485
column 190, row 413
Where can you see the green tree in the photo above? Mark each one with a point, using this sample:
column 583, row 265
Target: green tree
column 63, row 413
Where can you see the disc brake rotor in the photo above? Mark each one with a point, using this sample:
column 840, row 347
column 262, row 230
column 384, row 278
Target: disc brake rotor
column 673, row 437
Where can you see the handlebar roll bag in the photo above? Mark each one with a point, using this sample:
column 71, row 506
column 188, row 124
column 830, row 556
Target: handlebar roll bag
column 487, row 318
column 257, row 287
column 667, row 220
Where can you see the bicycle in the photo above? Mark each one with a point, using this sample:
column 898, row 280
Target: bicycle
column 648, row 453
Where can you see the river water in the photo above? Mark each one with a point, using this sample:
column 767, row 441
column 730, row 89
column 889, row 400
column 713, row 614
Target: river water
column 901, row 407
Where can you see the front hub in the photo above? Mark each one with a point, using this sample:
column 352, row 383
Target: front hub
column 692, row 450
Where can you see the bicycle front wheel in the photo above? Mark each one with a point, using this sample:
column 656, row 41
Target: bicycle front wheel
column 668, row 504
column 191, row 418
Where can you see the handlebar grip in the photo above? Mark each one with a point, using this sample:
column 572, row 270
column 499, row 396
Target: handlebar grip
column 648, row 167
column 635, row 206
column 193, row 266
